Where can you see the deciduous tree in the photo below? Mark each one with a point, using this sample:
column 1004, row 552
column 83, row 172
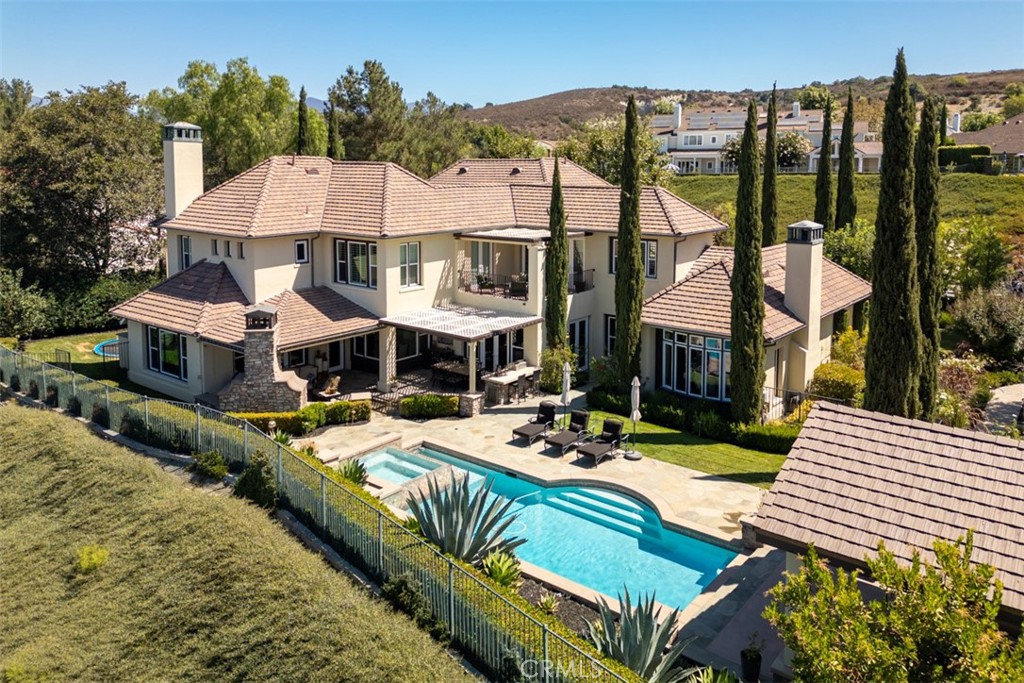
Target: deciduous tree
column 824, row 201
column 769, row 199
column 926, row 224
column 846, row 196
column 556, row 268
column 893, row 358
column 435, row 137
column 629, row 273
column 23, row 310
column 598, row 147
column 747, row 283
column 815, row 96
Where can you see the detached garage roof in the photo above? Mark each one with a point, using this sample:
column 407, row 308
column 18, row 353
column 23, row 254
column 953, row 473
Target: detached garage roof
column 854, row 478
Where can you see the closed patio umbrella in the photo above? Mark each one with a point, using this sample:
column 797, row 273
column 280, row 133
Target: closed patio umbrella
column 566, row 385
column 634, row 415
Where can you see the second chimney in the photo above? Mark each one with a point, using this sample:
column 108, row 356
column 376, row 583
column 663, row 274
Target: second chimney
column 183, row 166
column 804, row 246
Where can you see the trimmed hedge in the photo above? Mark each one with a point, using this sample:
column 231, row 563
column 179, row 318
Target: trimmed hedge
column 961, row 154
column 772, row 438
column 311, row 417
column 428, row 406
column 838, row 380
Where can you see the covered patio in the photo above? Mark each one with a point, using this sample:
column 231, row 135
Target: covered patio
column 456, row 332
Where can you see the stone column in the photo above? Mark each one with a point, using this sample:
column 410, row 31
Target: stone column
column 387, row 366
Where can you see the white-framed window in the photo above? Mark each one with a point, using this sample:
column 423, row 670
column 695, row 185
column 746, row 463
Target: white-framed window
column 293, row 359
column 693, row 140
column 409, row 264
column 367, row 346
column 213, row 248
column 481, row 257
column 184, row 252
column 302, row 251
column 579, row 341
column 609, row 334
column 696, row 365
column 355, row 263
column 241, row 250
column 648, row 255
column 227, row 248
column 168, row 352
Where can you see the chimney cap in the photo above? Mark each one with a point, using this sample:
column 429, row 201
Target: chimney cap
column 260, row 317
column 805, row 232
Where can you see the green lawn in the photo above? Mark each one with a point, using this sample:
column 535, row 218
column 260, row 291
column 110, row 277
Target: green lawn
column 960, row 194
column 196, row 587
column 714, row 457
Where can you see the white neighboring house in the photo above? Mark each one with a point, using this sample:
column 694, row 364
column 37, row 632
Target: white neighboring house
column 302, row 266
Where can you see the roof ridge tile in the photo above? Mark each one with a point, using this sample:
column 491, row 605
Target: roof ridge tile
column 261, row 200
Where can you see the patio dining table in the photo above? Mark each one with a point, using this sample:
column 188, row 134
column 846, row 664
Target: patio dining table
column 498, row 386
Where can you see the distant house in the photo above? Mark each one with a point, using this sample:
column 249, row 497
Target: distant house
column 693, row 139
column 304, row 266
column 867, row 157
column 1006, row 140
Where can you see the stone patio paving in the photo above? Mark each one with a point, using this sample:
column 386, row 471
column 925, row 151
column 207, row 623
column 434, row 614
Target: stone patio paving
column 722, row 617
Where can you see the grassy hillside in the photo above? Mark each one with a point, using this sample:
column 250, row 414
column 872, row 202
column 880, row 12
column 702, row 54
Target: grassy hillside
column 196, row 587
column 1001, row 198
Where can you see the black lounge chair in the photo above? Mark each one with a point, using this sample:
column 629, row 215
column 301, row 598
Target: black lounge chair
column 573, row 435
column 538, row 426
column 604, row 445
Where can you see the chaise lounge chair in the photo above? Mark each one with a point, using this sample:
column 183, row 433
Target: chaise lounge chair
column 573, row 435
column 605, row 445
column 539, row 425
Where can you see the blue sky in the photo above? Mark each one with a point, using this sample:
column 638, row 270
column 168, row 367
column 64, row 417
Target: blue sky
column 499, row 52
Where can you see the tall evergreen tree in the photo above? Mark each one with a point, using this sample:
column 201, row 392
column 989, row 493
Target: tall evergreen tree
column 556, row 269
column 629, row 272
column 943, row 122
column 824, row 203
column 893, row 358
column 846, row 197
column 301, row 145
column 926, row 225
column 769, row 200
column 747, row 284
column 333, row 151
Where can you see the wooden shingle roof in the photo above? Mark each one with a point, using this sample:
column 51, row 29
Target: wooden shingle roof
column 855, row 477
column 701, row 302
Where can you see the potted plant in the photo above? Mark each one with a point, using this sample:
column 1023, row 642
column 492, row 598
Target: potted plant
column 750, row 658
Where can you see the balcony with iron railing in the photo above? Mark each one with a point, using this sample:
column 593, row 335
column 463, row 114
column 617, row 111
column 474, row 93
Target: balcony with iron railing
column 581, row 281
column 494, row 284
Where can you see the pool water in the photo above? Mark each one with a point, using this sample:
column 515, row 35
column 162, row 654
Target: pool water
column 106, row 349
column 599, row 538
column 397, row 466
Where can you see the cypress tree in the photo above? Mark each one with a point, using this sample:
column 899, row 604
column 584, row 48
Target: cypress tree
column 769, row 201
column 943, row 122
column 629, row 273
column 332, row 132
column 860, row 316
column 846, row 197
column 893, row 358
column 556, row 269
column 747, row 283
column 926, row 226
column 823, row 200
column 300, row 145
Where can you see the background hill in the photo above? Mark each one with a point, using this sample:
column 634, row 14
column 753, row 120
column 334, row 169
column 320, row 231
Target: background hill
column 555, row 116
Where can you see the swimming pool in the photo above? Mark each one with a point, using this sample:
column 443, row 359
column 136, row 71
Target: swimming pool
column 107, row 349
column 397, row 466
column 600, row 538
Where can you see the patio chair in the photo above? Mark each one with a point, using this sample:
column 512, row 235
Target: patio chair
column 539, row 425
column 518, row 290
column 573, row 435
column 522, row 384
column 604, row 445
column 535, row 383
column 329, row 388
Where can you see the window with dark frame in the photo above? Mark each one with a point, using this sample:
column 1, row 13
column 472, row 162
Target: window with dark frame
column 184, row 252
column 168, row 352
column 648, row 254
column 355, row 263
column 213, row 247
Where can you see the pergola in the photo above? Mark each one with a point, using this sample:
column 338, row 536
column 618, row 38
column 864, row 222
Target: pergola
column 465, row 323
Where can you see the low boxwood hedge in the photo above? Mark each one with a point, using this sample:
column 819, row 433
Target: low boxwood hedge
column 311, row 417
column 428, row 406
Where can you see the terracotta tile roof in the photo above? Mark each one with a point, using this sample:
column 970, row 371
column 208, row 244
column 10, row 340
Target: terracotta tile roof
column 316, row 315
column 516, row 172
column 290, row 195
column 1004, row 138
column 701, row 302
column 203, row 300
column 855, row 477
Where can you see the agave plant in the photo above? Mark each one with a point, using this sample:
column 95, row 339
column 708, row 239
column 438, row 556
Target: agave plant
column 282, row 437
column 462, row 524
column 502, row 567
column 354, row 471
column 709, row 675
column 640, row 640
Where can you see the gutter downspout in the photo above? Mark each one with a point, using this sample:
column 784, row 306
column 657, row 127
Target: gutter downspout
column 312, row 260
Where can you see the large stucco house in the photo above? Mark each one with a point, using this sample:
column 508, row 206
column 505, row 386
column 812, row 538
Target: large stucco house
column 303, row 265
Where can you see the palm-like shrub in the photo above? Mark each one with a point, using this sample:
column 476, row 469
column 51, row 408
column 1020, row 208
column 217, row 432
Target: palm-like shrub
column 354, row 471
column 462, row 524
column 640, row 640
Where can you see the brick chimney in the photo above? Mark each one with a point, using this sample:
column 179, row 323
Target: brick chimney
column 183, row 166
column 804, row 246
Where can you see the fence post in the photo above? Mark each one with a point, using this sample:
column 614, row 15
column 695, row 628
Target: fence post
column 451, row 598
column 106, row 395
column 547, row 663
column 279, row 467
column 380, row 542
column 199, row 431
column 145, row 408
column 323, row 503
column 43, row 367
column 245, row 442
column 74, row 384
